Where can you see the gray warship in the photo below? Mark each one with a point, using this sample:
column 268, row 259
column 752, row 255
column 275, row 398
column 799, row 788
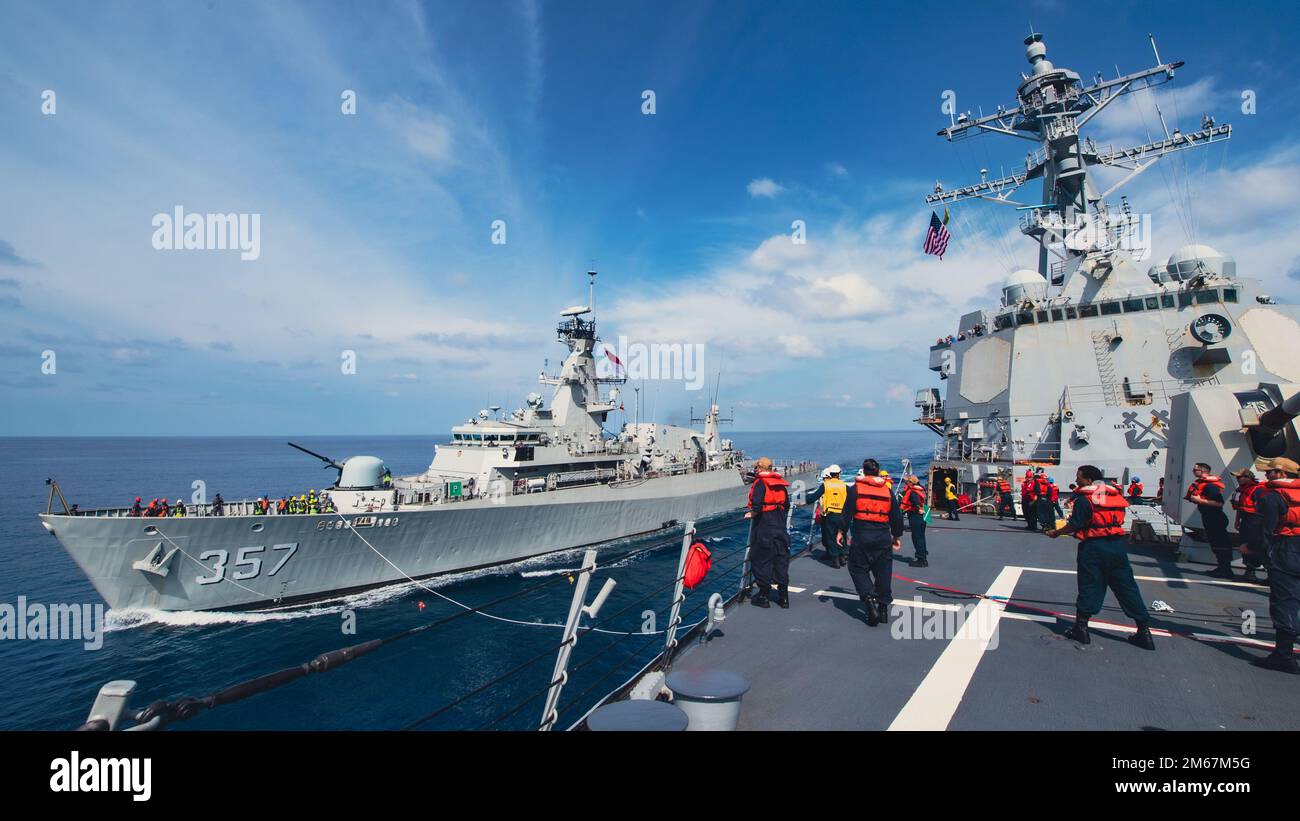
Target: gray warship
column 976, row 640
column 544, row 478
column 1094, row 358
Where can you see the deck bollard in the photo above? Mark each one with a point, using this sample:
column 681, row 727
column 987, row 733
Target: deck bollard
column 710, row 698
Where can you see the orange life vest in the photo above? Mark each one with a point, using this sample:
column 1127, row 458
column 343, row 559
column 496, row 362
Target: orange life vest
column 774, row 491
column 873, row 500
column 913, row 500
column 1197, row 488
column 1288, row 525
column 698, row 563
column 1004, row 486
column 1042, row 488
column 1243, row 498
column 1135, row 489
column 1107, row 511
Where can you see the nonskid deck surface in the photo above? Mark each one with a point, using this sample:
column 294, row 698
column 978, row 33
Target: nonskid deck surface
column 819, row 666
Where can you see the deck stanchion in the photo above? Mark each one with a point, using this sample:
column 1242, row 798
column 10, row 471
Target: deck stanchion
column 674, row 615
column 576, row 610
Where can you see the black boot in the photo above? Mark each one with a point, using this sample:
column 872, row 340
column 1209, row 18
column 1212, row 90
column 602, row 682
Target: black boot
column 760, row 598
column 1142, row 638
column 1079, row 632
column 783, row 598
column 884, row 614
column 1280, row 663
column 1281, row 659
column 921, row 562
column 1223, row 571
column 873, row 612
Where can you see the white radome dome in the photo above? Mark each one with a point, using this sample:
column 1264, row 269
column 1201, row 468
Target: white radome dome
column 1023, row 276
column 1190, row 260
column 1023, row 284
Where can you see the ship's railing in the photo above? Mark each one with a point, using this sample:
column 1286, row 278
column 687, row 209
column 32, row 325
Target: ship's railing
column 1130, row 391
column 790, row 468
column 112, row 709
column 240, row 507
column 958, row 450
column 421, row 496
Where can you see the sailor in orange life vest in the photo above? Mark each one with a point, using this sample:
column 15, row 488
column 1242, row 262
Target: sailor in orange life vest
column 1004, row 498
column 1206, row 492
column 1027, row 501
column 1254, row 551
column 1044, row 510
column 1135, row 490
column 831, row 492
column 875, row 528
column 1279, row 516
column 1097, row 521
column 769, row 552
column 912, row 502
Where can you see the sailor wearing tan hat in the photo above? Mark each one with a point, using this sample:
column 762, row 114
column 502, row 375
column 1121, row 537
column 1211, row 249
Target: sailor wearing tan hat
column 1279, row 516
column 1254, row 549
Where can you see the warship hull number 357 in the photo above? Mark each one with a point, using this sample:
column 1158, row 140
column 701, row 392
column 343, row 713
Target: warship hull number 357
column 505, row 488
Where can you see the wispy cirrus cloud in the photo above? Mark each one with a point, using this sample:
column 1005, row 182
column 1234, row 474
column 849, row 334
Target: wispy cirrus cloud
column 764, row 188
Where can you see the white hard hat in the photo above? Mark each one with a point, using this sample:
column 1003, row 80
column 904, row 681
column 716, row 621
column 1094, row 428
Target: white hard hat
column 833, row 469
column 826, row 474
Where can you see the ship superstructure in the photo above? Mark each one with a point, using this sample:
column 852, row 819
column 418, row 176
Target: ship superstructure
column 1080, row 361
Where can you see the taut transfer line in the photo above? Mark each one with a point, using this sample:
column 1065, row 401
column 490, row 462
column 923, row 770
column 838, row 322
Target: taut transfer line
column 935, row 702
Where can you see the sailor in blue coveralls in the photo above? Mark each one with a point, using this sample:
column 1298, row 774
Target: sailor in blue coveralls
column 1097, row 520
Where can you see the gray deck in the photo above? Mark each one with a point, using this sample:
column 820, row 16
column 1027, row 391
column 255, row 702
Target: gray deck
column 819, row 666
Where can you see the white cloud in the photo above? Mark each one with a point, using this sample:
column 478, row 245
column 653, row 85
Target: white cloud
column 798, row 346
column 898, row 392
column 764, row 187
column 836, row 170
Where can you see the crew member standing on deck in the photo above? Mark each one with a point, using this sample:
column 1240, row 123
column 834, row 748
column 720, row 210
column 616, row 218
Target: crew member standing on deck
column 1004, row 498
column 875, row 528
column 1097, row 521
column 950, row 498
column 1254, row 549
column 1206, row 492
column 769, row 552
column 1027, row 501
column 912, row 502
column 1043, row 501
column 1056, row 500
column 831, row 492
column 1135, row 490
column 1279, row 516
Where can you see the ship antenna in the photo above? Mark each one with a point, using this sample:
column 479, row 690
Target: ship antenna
column 1154, row 50
column 591, row 292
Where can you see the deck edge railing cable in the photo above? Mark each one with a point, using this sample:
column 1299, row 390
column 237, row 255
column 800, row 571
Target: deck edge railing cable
column 181, row 709
column 163, row 712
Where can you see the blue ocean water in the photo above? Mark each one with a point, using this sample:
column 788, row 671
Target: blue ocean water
column 51, row 684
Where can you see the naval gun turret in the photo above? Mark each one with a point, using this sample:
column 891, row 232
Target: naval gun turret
column 354, row 472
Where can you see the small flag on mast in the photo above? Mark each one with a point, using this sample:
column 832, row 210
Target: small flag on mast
column 936, row 239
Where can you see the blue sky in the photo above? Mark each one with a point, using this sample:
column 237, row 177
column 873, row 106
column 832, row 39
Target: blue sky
column 376, row 227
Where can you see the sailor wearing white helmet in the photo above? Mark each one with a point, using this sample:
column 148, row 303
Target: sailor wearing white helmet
column 832, row 493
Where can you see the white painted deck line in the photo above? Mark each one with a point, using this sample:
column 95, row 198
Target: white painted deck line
column 923, row 605
column 935, row 701
column 1223, row 582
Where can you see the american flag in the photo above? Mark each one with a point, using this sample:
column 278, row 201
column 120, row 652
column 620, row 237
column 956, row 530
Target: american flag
column 936, row 239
